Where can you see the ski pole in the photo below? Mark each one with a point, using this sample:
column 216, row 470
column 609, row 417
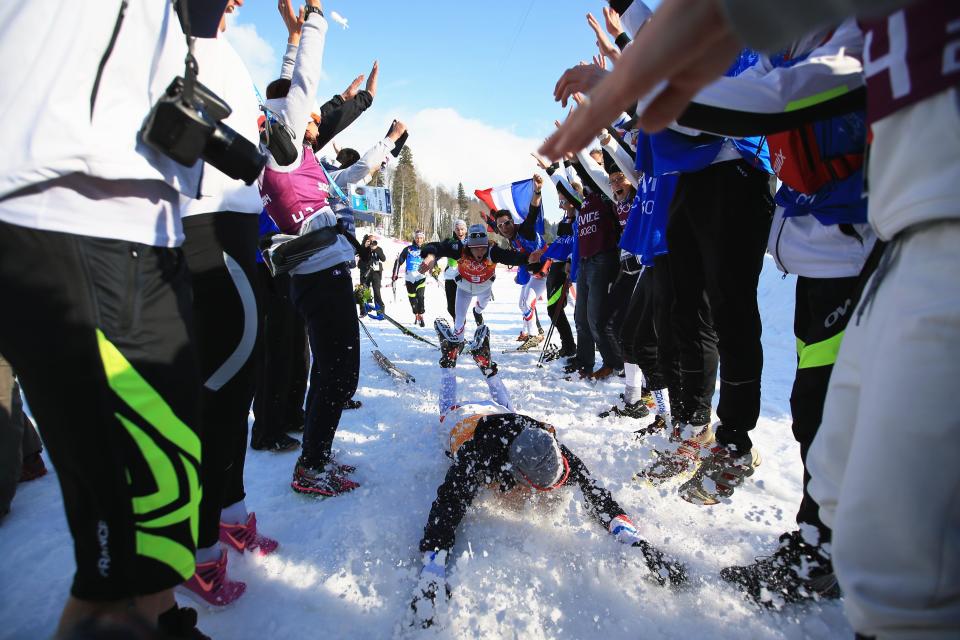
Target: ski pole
column 367, row 331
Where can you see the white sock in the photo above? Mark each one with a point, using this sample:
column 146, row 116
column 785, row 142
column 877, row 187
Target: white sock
column 634, row 377
column 208, row 554
column 235, row 513
column 632, row 395
column 662, row 398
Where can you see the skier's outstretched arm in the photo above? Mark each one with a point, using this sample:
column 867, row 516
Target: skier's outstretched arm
column 598, row 500
column 508, row 256
column 459, row 488
column 610, row 514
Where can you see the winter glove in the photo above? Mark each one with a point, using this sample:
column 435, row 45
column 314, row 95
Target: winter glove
column 623, row 529
column 663, row 568
column 432, row 590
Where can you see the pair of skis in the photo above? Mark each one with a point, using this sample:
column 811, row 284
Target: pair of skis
column 384, row 361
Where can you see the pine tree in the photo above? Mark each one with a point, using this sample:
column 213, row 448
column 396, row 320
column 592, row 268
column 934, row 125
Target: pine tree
column 406, row 198
column 462, row 202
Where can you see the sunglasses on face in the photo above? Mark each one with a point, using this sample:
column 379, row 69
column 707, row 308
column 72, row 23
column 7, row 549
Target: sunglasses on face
column 505, row 222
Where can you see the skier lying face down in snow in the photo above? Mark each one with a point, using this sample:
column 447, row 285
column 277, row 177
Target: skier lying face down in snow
column 491, row 444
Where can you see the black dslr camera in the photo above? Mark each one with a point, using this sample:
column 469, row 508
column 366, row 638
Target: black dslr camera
column 185, row 125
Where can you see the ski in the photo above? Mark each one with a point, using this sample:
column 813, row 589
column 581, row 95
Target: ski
column 407, row 331
column 391, row 368
column 384, row 361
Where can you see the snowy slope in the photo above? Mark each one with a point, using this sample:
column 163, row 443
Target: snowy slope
column 347, row 566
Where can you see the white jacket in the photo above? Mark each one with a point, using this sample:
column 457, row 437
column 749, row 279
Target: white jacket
column 914, row 169
column 805, row 247
column 225, row 74
column 51, row 53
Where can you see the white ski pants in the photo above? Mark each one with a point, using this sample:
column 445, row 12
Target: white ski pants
column 529, row 294
column 462, row 305
column 885, row 464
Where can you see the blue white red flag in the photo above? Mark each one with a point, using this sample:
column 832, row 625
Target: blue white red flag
column 514, row 197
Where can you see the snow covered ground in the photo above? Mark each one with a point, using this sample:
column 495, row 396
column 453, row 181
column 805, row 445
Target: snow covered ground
column 347, row 566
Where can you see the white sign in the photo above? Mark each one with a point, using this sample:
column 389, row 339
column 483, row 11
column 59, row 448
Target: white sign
column 371, row 199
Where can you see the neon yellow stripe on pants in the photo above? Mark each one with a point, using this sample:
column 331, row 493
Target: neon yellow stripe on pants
column 140, row 396
column 818, row 354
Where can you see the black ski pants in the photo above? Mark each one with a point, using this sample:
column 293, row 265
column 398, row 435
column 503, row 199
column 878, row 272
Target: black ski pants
column 374, row 280
column 595, row 277
column 647, row 334
column 719, row 222
column 325, row 300
column 282, row 372
column 823, row 307
column 621, row 293
column 220, row 250
column 415, row 292
column 450, row 290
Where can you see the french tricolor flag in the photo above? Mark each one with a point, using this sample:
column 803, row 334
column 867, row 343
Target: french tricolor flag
column 514, row 197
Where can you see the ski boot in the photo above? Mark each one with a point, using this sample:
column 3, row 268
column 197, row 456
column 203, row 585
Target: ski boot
column 479, row 348
column 450, row 343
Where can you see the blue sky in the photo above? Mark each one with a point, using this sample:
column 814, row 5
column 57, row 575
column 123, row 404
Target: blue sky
column 473, row 80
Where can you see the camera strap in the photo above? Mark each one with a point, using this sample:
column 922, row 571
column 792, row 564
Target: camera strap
column 191, row 68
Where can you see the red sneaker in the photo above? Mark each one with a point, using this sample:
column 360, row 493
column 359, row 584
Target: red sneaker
column 210, row 585
column 244, row 537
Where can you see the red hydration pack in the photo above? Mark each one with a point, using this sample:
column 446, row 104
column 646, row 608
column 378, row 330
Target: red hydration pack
column 797, row 160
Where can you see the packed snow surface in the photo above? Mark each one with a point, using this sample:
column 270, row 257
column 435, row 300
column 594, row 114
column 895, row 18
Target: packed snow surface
column 347, row 566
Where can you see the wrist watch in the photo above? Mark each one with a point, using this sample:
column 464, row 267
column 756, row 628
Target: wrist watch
column 311, row 9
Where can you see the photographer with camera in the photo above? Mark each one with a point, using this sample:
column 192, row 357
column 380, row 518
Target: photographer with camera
column 299, row 196
column 102, row 332
column 371, row 269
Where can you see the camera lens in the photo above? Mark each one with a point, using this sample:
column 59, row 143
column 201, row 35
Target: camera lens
column 233, row 154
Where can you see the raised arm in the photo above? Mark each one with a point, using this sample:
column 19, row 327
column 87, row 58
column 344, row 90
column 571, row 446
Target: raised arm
column 528, row 228
column 595, row 172
column 293, row 22
column 372, row 160
column 307, row 69
column 623, row 159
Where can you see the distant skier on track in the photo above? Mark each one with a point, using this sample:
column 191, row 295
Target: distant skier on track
column 492, row 444
column 415, row 281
